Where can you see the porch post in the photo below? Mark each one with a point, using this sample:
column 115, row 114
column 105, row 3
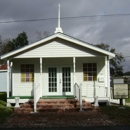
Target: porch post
column 8, row 83
column 106, row 72
column 41, row 74
column 74, row 75
column 10, row 78
column 74, row 69
column 108, row 80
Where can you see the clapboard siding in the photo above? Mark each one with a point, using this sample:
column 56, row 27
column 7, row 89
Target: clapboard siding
column 88, row 86
column 24, row 89
column 3, row 80
column 58, row 49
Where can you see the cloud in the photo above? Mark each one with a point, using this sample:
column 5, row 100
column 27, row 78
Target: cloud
column 110, row 30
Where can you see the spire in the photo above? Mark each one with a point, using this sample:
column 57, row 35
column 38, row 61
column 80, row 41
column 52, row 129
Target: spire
column 58, row 29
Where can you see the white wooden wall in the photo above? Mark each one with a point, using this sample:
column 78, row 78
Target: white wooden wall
column 20, row 88
column 57, row 52
column 58, row 49
column 88, row 86
column 26, row 89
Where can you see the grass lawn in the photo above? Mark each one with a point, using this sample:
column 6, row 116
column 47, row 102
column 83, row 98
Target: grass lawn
column 127, row 100
column 4, row 111
column 122, row 116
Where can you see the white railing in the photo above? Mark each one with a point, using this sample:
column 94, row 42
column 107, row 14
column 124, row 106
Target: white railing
column 99, row 91
column 78, row 94
column 37, row 91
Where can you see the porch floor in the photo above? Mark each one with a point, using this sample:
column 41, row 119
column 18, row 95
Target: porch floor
column 43, row 97
column 57, row 97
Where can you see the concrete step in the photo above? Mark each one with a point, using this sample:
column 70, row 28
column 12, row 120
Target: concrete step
column 23, row 110
column 54, row 101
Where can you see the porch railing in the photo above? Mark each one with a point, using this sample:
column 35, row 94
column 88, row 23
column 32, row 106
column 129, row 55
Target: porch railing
column 78, row 94
column 99, row 91
column 37, row 91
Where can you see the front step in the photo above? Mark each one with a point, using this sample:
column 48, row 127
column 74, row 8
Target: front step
column 53, row 105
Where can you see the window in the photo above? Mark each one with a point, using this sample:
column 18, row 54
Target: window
column 27, row 73
column 89, row 72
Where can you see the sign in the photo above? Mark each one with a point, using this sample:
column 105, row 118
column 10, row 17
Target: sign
column 120, row 91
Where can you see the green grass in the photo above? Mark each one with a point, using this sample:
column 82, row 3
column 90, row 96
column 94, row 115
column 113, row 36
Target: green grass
column 127, row 100
column 122, row 116
column 21, row 97
column 5, row 112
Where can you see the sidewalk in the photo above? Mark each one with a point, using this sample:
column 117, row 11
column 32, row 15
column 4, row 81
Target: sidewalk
column 57, row 120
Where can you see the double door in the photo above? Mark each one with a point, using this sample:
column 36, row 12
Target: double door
column 59, row 80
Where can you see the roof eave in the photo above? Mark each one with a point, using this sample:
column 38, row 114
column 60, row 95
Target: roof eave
column 27, row 47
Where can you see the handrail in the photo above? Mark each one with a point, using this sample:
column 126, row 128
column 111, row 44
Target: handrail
column 78, row 94
column 37, row 90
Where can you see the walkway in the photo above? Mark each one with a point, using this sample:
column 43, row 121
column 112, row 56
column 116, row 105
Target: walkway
column 60, row 119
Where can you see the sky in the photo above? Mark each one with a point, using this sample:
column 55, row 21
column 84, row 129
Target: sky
column 112, row 30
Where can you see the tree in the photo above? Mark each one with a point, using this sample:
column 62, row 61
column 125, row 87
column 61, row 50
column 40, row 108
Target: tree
column 4, row 46
column 116, row 69
column 127, row 73
column 10, row 45
column 40, row 35
column 20, row 41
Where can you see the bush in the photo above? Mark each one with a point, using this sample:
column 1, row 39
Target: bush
column 2, row 102
column 3, row 96
column 5, row 112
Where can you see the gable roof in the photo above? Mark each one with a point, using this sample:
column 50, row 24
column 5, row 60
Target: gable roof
column 61, row 36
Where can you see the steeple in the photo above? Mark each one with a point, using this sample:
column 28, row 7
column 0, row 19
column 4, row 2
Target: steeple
column 58, row 29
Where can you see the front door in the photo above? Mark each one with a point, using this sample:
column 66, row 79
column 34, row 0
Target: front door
column 59, row 80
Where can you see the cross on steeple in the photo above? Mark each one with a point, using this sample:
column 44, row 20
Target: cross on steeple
column 58, row 29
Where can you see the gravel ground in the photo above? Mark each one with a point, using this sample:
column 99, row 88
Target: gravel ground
column 61, row 119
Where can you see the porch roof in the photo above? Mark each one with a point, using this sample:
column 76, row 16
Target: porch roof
column 63, row 37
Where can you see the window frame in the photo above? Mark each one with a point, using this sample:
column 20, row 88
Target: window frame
column 27, row 73
column 89, row 72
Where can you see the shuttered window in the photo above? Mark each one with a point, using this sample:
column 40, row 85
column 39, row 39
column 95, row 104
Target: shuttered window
column 27, row 73
column 89, row 72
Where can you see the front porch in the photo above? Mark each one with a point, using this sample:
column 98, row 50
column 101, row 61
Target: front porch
column 59, row 78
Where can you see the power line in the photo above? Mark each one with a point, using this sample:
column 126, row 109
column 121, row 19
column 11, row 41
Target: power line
column 76, row 17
